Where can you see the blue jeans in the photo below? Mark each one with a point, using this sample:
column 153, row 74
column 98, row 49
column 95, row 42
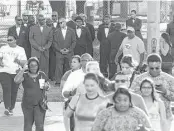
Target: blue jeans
column 33, row 114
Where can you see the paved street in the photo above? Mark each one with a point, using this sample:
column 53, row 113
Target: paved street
column 54, row 119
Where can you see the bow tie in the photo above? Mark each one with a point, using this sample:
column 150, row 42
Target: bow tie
column 78, row 27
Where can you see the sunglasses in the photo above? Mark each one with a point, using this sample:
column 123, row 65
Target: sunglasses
column 61, row 22
column 154, row 68
column 54, row 15
column 19, row 19
column 85, row 60
column 9, row 40
column 122, row 81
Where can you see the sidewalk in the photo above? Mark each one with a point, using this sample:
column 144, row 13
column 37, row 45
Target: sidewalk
column 53, row 121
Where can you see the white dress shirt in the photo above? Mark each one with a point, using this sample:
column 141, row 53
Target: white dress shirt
column 41, row 28
column 64, row 32
column 55, row 24
column 18, row 30
column 79, row 31
column 106, row 32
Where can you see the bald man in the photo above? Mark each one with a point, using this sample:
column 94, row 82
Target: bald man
column 72, row 23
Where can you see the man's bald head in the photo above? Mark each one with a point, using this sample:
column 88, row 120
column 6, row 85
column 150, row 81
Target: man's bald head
column 54, row 16
column 74, row 16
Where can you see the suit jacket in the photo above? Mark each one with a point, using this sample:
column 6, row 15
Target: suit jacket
column 104, row 43
column 91, row 30
column 170, row 31
column 115, row 39
column 136, row 25
column 85, row 39
column 71, row 24
column 40, row 39
column 60, row 43
column 23, row 38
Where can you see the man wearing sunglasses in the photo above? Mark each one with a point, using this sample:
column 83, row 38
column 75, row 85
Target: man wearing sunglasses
column 41, row 37
column 12, row 59
column 64, row 41
column 132, row 45
column 164, row 83
column 122, row 80
column 20, row 33
column 52, row 52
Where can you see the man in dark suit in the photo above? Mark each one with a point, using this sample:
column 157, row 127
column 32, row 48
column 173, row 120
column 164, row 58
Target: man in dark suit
column 64, row 41
column 83, row 38
column 72, row 23
column 91, row 30
column 115, row 39
column 25, row 19
column 104, row 29
column 52, row 52
column 20, row 33
column 135, row 23
column 41, row 39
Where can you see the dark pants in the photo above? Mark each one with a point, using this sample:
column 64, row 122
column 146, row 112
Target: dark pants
column 33, row 114
column 62, row 65
column 79, row 50
column 52, row 64
column 112, row 69
column 10, row 89
column 104, row 60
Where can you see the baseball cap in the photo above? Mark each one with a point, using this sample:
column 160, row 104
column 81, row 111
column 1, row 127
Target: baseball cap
column 130, row 29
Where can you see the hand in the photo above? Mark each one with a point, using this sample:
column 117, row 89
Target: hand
column 40, row 49
column 25, row 67
column 161, row 89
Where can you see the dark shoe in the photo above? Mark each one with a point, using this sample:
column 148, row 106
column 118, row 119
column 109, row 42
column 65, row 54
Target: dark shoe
column 7, row 112
column 57, row 84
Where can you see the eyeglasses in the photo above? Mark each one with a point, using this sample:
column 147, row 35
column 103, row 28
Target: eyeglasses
column 61, row 22
column 9, row 40
column 154, row 68
column 85, row 60
column 122, row 81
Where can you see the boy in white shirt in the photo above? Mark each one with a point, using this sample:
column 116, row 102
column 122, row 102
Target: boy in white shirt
column 12, row 58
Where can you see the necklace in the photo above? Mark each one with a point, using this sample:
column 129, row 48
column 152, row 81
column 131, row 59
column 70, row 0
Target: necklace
column 92, row 98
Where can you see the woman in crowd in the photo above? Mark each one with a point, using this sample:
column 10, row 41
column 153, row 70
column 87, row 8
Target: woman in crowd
column 156, row 108
column 165, row 51
column 35, row 83
column 86, row 106
column 105, row 84
column 123, row 116
column 12, row 58
column 128, row 67
column 75, row 65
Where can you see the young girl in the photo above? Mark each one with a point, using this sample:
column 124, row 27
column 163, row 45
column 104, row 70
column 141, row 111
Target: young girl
column 86, row 106
column 156, row 108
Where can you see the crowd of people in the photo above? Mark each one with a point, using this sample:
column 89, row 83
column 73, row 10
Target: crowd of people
column 124, row 91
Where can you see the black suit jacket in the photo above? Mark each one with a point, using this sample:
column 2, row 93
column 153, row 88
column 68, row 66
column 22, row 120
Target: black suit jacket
column 71, row 24
column 91, row 30
column 136, row 25
column 23, row 38
column 115, row 39
column 60, row 43
column 104, row 43
column 84, row 40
